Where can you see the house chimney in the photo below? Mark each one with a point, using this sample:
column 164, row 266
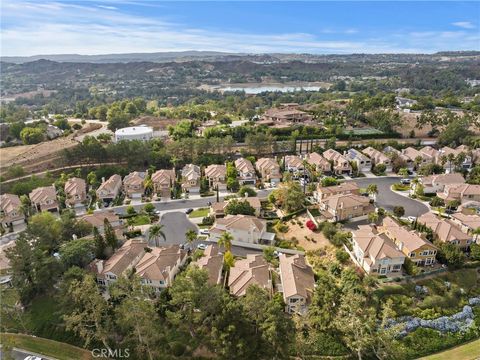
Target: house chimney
column 99, row 265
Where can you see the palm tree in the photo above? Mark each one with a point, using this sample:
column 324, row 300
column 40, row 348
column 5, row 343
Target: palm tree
column 155, row 232
column 226, row 241
column 476, row 232
column 418, row 160
column 451, row 159
column 372, row 190
column 373, row 217
column 191, row 236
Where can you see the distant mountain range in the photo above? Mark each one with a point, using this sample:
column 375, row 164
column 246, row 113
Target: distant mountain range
column 182, row 56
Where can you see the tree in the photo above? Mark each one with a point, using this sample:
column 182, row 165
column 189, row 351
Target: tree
column 246, row 190
column 379, row 169
column 90, row 315
column 451, row 254
column 236, row 207
column 373, row 217
column 232, row 184
column 356, row 323
column 329, row 181
column 326, row 298
column 109, row 234
column 149, row 209
column 117, row 119
column 47, row 229
column 228, row 260
column 226, row 240
column 79, row 252
column 453, row 204
column 155, row 232
column 398, row 211
column 191, row 236
column 100, row 245
column 372, row 190
column 403, row 172
column 31, row 135
column 475, row 251
column 290, row 197
column 130, row 210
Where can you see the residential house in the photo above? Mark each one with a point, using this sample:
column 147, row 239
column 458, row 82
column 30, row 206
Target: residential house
column 191, row 177
column 156, row 267
column 298, row 283
column 269, row 170
column 97, row 219
column 411, row 243
column 44, row 198
column 403, row 103
column 375, row 252
column 324, row 192
column 460, row 192
column 445, row 230
column 415, row 157
column 109, row 190
column 243, row 228
column 436, row 183
column 218, row 209
column 293, row 163
column 246, row 172
column 446, row 153
column 321, row 164
column 212, row 262
column 468, row 223
column 11, row 212
column 341, row 165
column 75, row 192
column 431, row 154
column 392, row 152
column 362, row 161
column 133, row 184
column 163, row 180
column 378, row 158
column 216, row 176
column 469, row 208
column 286, row 114
column 253, row 270
column 346, row 207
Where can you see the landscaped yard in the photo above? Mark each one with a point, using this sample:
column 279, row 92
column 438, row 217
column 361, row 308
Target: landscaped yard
column 202, row 212
column 469, row 351
column 45, row 347
column 306, row 238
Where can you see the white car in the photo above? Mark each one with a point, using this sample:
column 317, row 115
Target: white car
column 204, row 232
column 201, row 246
column 32, row 357
column 411, row 218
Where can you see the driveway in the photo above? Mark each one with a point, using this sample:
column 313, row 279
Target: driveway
column 388, row 199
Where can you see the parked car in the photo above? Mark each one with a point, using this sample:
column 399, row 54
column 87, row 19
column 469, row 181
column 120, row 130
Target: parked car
column 201, row 246
column 188, row 211
column 157, row 212
column 405, row 181
column 411, row 218
column 204, row 232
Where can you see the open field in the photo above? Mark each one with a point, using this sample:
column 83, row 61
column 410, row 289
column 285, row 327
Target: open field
column 45, row 347
column 299, row 233
column 469, row 351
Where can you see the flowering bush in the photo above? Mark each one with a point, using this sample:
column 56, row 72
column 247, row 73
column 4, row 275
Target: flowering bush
column 311, row 225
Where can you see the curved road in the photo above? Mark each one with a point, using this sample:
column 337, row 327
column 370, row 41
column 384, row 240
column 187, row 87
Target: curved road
column 388, row 199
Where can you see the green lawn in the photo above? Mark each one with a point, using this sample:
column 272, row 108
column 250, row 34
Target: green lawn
column 469, row 351
column 141, row 220
column 202, row 212
column 45, row 347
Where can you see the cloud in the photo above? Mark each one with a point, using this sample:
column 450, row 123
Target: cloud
column 63, row 27
column 464, row 24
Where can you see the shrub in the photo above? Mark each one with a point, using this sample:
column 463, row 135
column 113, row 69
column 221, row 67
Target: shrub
column 379, row 169
column 177, row 348
column 398, row 211
column 436, row 201
column 342, row 256
column 329, row 181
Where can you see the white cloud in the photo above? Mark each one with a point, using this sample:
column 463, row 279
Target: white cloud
column 464, row 24
column 59, row 28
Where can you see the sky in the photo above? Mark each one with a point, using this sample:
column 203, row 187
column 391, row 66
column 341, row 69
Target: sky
column 43, row 27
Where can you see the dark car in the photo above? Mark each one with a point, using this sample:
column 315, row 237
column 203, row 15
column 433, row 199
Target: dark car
column 188, row 211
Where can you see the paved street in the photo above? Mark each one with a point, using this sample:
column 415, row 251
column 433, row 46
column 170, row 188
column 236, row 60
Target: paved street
column 388, row 199
column 176, row 224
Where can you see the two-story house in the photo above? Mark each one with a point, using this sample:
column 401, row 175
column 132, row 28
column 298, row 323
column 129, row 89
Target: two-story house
column 110, row 189
column 218, row 209
column 436, row 183
column 375, row 252
column 44, row 199
column 97, row 219
column 319, row 163
column 391, row 152
column 293, row 163
column 323, row 192
column 11, row 213
column 446, row 230
column 75, row 192
column 254, row 270
column 415, row 157
column 216, row 176
column 212, row 262
column 243, row 228
column 133, row 184
column 346, row 207
column 363, row 162
column 163, row 181
column 191, row 177
column 269, row 170
column 246, row 172
column 341, row 164
column 378, row 158
column 411, row 243
column 468, row 223
column 460, row 192
column 298, row 283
